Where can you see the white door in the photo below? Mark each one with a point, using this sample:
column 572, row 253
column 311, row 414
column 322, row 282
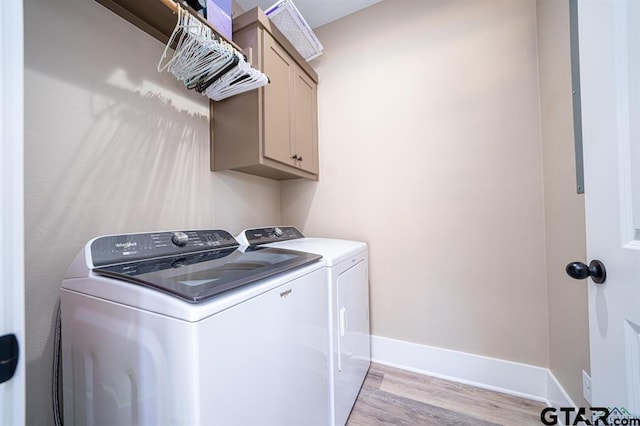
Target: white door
column 609, row 32
column 12, row 390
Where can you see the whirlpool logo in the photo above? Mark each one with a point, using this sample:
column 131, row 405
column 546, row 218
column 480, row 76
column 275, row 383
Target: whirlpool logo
column 126, row 245
column 285, row 293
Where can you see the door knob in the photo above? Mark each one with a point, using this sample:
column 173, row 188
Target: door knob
column 8, row 356
column 595, row 270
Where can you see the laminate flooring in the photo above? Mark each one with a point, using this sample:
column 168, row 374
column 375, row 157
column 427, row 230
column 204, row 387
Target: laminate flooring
column 396, row 397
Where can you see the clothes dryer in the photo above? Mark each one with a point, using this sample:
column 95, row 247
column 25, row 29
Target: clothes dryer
column 186, row 328
column 347, row 275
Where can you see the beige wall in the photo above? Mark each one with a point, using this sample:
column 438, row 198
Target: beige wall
column 111, row 146
column 430, row 151
column 564, row 209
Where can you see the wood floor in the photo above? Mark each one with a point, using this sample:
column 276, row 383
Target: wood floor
column 396, row 397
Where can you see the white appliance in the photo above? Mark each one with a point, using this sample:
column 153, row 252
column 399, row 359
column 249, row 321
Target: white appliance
column 347, row 275
column 185, row 328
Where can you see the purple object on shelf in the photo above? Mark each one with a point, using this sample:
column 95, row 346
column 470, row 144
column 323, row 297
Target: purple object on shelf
column 219, row 15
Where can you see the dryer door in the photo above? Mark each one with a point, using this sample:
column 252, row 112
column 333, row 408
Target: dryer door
column 353, row 341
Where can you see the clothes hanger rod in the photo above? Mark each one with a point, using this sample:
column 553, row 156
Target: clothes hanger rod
column 171, row 5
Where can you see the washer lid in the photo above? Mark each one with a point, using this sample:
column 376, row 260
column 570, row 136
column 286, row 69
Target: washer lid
column 199, row 276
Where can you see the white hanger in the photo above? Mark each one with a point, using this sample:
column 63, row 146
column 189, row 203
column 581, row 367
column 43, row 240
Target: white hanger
column 178, row 28
column 255, row 80
column 189, row 46
column 242, row 79
column 217, row 58
column 200, row 57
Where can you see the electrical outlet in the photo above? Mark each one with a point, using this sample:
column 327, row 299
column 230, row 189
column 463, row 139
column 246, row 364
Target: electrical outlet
column 586, row 386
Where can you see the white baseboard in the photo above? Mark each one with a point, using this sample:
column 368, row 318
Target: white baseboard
column 556, row 395
column 508, row 377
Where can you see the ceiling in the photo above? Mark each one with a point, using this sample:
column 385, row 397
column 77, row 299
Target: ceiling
column 316, row 13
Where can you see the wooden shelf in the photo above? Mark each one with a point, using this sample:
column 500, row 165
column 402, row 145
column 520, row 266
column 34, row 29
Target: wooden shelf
column 153, row 17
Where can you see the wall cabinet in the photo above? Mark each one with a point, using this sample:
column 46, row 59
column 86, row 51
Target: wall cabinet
column 273, row 131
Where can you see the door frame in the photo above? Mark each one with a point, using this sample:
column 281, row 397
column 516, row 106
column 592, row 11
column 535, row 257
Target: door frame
column 12, row 392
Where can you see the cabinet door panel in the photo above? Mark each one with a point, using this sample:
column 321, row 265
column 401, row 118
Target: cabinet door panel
column 306, row 121
column 278, row 97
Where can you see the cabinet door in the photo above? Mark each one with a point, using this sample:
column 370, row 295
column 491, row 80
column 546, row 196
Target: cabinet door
column 278, row 101
column 306, row 121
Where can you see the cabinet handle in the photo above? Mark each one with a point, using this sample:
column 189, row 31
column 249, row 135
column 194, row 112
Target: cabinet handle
column 299, row 158
column 295, row 157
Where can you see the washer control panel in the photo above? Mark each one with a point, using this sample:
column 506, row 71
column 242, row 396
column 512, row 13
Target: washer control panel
column 259, row 236
column 113, row 249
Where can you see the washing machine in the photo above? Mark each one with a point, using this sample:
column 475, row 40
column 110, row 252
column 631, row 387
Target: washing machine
column 347, row 277
column 188, row 328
